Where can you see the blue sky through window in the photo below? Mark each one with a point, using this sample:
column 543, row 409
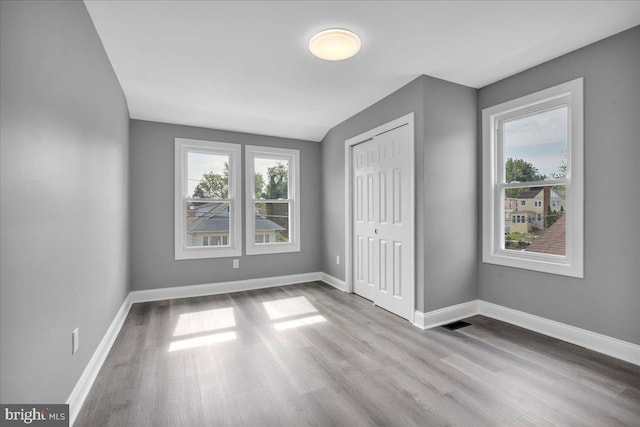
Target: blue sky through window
column 540, row 139
column 262, row 165
column 199, row 164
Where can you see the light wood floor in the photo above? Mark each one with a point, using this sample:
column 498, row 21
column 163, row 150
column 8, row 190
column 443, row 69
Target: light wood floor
column 311, row 355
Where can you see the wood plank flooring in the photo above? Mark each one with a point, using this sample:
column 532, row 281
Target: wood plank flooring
column 309, row 354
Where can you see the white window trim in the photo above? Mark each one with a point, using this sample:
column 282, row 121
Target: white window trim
column 572, row 264
column 182, row 146
column 293, row 157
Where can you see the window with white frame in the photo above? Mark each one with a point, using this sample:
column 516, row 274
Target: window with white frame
column 272, row 208
column 207, row 199
column 533, row 147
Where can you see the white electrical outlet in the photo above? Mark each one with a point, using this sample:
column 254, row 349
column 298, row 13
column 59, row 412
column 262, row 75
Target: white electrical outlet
column 236, row 263
column 337, row 259
column 75, row 340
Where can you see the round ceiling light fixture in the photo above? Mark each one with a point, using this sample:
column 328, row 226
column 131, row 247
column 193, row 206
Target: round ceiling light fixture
column 334, row 44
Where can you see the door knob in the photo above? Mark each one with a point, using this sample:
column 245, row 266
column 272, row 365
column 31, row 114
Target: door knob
column 375, row 231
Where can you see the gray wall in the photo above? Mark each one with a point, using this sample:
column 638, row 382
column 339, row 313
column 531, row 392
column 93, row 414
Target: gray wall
column 607, row 299
column 64, row 197
column 450, row 197
column 445, row 134
column 152, row 223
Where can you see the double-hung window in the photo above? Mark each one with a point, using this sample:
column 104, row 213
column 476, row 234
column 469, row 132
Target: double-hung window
column 272, row 181
column 208, row 219
column 533, row 149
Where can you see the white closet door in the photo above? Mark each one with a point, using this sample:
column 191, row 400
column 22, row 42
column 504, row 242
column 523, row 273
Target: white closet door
column 381, row 220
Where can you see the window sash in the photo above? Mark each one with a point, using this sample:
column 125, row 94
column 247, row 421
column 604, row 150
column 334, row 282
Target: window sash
column 289, row 202
column 569, row 94
column 183, row 250
column 287, row 158
column 209, row 246
column 501, row 185
column 292, row 157
column 273, row 200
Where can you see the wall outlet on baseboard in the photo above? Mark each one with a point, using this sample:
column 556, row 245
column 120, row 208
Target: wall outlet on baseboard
column 338, row 259
column 75, row 337
column 236, row 263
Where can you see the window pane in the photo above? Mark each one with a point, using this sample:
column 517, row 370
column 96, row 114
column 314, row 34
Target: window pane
column 535, row 146
column 271, row 178
column 207, row 175
column 534, row 219
column 271, row 222
column 207, row 223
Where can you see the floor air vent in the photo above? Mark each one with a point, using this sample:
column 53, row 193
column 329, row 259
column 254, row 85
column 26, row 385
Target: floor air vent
column 455, row 325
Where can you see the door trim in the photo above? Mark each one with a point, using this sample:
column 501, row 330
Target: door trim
column 348, row 170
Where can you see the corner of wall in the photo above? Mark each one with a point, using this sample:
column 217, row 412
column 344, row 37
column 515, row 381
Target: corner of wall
column 450, row 193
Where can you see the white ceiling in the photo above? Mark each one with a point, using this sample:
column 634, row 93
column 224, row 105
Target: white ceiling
column 245, row 65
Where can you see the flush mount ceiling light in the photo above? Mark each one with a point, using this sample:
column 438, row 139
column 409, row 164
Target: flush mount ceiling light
column 334, row 44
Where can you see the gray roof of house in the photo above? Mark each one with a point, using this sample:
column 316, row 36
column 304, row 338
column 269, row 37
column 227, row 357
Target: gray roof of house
column 530, row 194
column 533, row 193
column 220, row 222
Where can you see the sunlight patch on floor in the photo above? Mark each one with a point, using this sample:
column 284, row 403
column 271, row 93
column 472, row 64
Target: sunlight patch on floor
column 288, row 307
column 202, row 321
column 290, row 324
column 202, row 341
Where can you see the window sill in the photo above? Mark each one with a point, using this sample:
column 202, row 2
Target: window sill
column 207, row 253
column 542, row 263
column 273, row 248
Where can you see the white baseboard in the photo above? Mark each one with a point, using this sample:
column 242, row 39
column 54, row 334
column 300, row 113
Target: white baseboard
column 614, row 347
column 334, row 281
column 83, row 386
column 221, row 287
column 445, row 315
column 592, row 340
